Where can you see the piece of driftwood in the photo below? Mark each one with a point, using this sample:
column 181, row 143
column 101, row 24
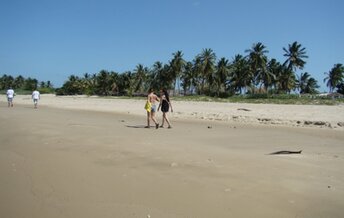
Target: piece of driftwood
column 243, row 109
column 285, row 152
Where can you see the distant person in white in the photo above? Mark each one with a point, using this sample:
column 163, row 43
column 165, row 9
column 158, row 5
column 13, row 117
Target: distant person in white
column 10, row 95
column 35, row 97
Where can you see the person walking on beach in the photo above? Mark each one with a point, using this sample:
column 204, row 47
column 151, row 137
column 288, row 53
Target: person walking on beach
column 35, row 97
column 10, row 96
column 151, row 108
column 165, row 104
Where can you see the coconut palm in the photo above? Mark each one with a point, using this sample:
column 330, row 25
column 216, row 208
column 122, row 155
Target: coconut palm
column 72, row 86
column 258, row 63
column 274, row 67
column 19, row 82
column 306, row 84
column 221, row 75
column 103, row 85
column 340, row 88
column 177, row 66
column 295, row 56
column 207, row 63
column 140, row 77
column 335, row 76
column 6, row 81
column 31, row 84
column 125, row 83
column 286, row 80
column 160, row 77
column 312, row 86
column 240, row 76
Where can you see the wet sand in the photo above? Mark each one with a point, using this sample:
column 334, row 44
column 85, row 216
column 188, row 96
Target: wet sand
column 76, row 163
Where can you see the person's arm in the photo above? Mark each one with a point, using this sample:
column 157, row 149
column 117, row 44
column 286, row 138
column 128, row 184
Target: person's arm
column 169, row 102
column 160, row 102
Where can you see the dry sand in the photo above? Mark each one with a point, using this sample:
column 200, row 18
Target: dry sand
column 319, row 116
column 57, row 162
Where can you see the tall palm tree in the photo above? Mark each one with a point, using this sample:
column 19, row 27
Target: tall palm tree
column 49, row 84
column 19, row 82
column 207, row 62
column 103, row 86
column 295, row 56
column 275, row 69
column 240, row 76
column 221, row 75
column 196, row 74
column 177, row 66
column 306, row 84
column 187, row 78
column 140, row 77
column 72, row 86
column 312, row 86
column 335, row 76
column 159, row 77
column 286, row 80
column 258, row 63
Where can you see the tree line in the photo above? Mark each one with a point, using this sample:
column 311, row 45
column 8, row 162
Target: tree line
column 251, row 73
column 25, row 84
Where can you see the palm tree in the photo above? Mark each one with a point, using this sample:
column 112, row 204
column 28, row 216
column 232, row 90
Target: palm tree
column 335, row 76
column 49, row 84
column 161, row 77
column 286, row 80
column 177, row 66
column 221, row 75
column 42, row 84
column 258, row 63
column 19, row 82
column 207, row 63
column 312, row 86
column 189, row 79
column 275, row 69
column 125, row 83
column 6, row 81
column 240, row 76
column 306, row 84
column 295, row 56
column 72, row 86
column 196, row 74
column 31, row 84
column 340, row 88
column 103, row 85
column 140, row 77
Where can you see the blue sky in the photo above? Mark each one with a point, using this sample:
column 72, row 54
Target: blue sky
column 52, row 39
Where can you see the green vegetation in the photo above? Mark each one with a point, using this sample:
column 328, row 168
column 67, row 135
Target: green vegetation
column 24, row 86
column 252, row 74
column 265, row 99
column 253, row 78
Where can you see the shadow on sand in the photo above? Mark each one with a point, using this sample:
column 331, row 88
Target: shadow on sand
column 137, row 126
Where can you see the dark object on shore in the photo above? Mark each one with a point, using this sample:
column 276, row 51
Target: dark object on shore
column 286, row 152
column 243, row 109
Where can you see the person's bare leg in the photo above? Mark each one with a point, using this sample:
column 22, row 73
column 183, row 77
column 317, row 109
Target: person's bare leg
column 155, row 121
column 167, row 120
column 148, row 120
column 163, row 120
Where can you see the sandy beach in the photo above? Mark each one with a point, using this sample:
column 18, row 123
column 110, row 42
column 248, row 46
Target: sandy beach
column 318, row 116
column 91, row 157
